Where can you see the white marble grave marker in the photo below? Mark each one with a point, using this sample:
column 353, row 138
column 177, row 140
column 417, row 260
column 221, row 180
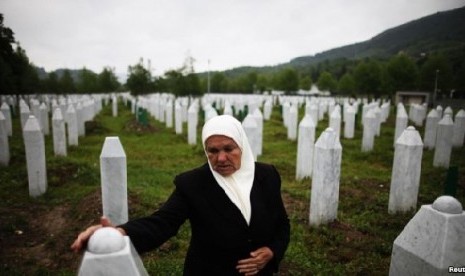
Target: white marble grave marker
column 406, row 171
column 401, row 121
column 335, row 120
column 443, row 147
column 114, row 106
column 325, row 179
column 292, row 123
column 59, row 133
column 177, row 118
column 251, row 130
column 113, row 173
column 432, row 242
column 35, row 157
column 459, row 129
column 305, row 148
column 5, row 109
column 431, row 129
column 192, row 121
column 349, row 122
column 44, row 119
column 369, row 131
column 71, row 121
column 110, row 253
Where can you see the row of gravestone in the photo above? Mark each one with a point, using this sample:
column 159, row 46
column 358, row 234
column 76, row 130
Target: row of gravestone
column 327, row 147
column 34, row 112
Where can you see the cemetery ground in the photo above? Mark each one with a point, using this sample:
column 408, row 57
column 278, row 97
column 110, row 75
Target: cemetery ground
column 36, row 233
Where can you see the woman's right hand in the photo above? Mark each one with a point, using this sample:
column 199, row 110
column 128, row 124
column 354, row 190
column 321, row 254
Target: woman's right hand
column 84, row 236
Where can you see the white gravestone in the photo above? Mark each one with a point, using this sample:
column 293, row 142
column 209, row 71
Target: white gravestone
column 401, row 121
column 443, row 147
column 114, row 106
column 432, row 242
column 325, row 178
column 80, row 119
column 292, row 123
column 44, row 119
column 113, row 173
column 4, row 146
column 349, row 122
column 406, row 171
column 257, row 115
column 448, row 111
column 431, row 129
column 439, row 110
column 35, row 157
column 192, row 121
column 71, row 121
column 459, row 129
column 59, row 133
column 110, row 253
column 369, row 131
column 251, row 130
column 5, row 109
column 24, row 113
column 335, row 120
column 169, row 114
column 305, row 147
column 177, row 118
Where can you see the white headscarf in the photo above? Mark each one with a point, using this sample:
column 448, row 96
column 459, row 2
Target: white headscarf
column 238, row 185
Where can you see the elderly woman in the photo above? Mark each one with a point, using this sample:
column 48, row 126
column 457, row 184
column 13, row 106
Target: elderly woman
column 238, row 221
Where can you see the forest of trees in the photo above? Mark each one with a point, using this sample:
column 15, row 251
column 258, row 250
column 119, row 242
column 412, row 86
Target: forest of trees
column 378, row 77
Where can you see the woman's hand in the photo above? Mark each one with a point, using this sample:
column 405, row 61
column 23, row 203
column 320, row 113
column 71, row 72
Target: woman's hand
column 84, row 236
column 258, row 260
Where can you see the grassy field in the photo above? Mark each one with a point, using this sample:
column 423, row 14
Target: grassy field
column 35, row 233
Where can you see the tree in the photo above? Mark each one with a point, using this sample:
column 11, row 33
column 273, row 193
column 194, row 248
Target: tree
column 140, row 79
column 346, row 85
column 326, row 82
column 433, row 64
column 17, row 74
column 52, row 83
column 287, row 80
column 367, row 76
column 306, row 82
column 107, row 80
column 219, row 82
column 87, row 81
column 401, row 74
column 66, row 82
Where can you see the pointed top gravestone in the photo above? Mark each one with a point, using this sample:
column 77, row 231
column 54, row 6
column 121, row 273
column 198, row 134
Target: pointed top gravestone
column 325, row 180
column 5, row 109
column 35, row 157
column 406, row 171
column 113, row 173
column 433, row 241
column 110, row 253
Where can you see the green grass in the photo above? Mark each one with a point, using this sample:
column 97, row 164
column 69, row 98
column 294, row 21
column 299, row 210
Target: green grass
column 359, row 242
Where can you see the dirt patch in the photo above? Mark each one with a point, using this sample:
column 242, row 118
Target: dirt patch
column 38, row 237
column 135, row 127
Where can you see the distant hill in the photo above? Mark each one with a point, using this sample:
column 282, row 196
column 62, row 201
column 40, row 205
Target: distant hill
column 440, row 31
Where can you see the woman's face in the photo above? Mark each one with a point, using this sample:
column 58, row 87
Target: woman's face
column 224, row 154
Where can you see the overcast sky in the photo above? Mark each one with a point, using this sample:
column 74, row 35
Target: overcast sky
column 228, row 33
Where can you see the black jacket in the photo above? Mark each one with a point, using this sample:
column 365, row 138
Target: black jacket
column 220, row 235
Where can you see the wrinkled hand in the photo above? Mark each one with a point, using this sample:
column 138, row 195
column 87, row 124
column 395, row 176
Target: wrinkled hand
column 84, row 236
column 257, row 261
